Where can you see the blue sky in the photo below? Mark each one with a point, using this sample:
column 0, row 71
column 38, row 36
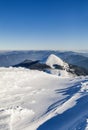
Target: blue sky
column 43, row 24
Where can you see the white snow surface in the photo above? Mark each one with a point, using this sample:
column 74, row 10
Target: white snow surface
column 84, row 87
column 29, row 98
column 86, row 124
column 53, row 59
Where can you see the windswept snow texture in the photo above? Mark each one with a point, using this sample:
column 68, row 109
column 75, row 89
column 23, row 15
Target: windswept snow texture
column 35, row 100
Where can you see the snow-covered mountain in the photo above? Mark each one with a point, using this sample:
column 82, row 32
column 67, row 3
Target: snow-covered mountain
column 54, row 65
column 43, row 94
column 54, row 60
column 10, row 58
column 59, row 67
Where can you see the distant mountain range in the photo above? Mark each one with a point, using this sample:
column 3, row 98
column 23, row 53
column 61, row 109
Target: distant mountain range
column 54, row 65
column 11, row 58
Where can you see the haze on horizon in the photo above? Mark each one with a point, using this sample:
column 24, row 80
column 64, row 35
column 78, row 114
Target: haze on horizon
column 43, row 24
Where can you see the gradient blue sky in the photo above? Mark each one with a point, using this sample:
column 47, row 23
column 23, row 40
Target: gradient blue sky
column 43, row 24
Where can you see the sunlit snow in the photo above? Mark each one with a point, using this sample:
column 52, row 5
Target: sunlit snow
column 28, row 98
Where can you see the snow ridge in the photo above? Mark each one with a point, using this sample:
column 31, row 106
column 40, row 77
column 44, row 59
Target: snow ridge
column 53, row 59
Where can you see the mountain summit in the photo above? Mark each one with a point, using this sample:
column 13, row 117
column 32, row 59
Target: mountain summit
column 61, row 68
column 54, row 65
column 53, row 60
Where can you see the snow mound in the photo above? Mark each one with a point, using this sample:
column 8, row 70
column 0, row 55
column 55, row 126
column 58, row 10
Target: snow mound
column 53, row 59
column 84, row 87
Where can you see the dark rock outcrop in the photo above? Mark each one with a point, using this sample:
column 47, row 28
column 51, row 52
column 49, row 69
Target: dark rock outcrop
column 74, row 69
column 35, row 65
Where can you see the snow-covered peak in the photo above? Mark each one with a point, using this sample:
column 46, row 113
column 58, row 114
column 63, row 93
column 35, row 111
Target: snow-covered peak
column 53, row 59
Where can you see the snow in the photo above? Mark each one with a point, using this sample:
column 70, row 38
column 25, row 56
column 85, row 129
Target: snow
column 84, row 87
column 19, row 115
column 61, row 73
column 53, row 59
column 86, row 124
column 30, row 98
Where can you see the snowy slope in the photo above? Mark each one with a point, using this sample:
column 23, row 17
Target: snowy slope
column 34, row 100
column 61, row 68
column 53, row 59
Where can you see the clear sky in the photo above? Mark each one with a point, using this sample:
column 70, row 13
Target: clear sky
column 43, row 24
